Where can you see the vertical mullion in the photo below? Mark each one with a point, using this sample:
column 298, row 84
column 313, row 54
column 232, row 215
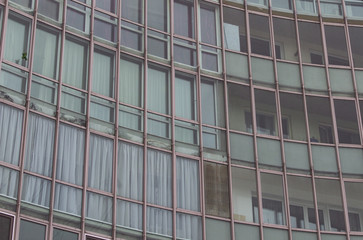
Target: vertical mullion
column 145, row 119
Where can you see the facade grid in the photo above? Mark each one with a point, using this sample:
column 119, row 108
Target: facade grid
column 181, row 119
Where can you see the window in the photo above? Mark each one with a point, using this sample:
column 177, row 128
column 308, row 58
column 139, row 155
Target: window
column 185, row 97
column 272, row 211
column 59, row 234
column 234, row 29
column 51, row 8
column 184, row 18
column 103, row 80
column 326, row 134
column 31, row 230
column 6, row 226
column 78, row 16
column 132, row 10
column 17, row 39
column 157, row 11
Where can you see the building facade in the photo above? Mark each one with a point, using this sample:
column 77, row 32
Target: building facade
column 181, row 119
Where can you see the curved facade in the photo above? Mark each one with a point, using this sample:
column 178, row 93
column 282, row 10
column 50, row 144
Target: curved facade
column 181, row 119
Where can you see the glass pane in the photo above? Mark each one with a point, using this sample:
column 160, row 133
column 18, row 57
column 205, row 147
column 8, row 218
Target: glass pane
column 184, row 18
column 262, row 77
column 59, row 234
column 282, row 4
column 260, row 37
column 129, row 215
column 272, row 199
column 108, row 5
column 269, row 152
column 341, row 81
column 130, row 82
column 187, row 178
column 239, row 107
column 50, row 8
column 100, row 163
column 216, row 230
column 160, row 221
column 74, row 70
column 103, row 72
column 158, row 44
column 31, row 231
column 265, row 113
column 17, row 37
column 336, row 45
column 46, row 52
column 216, row 190
column 320, row 122
column 306, row 7
column 285, row 36
column 241, row 149
column 36, row 191
column 243, row 188
column 68, row 200
column 185, row 52
column 237, row 67
column 99, row 207
column 346, row 118
column 5, row 227
column 303, row 235
column 246, row 232
column 132, row 10
column 324, row 159
column 213, row 102
column 300, row 197
column 44, row 95
column 9, row 179
column 353, row 193
column 356, row 35
column 78, row 16
column 234, row 30
column 105, row 26
column 289, row 76
column 329, row 194
column 296, row 156
column 351, row 161
column 311, row 43
column 185, row 96
column 158, row 90
column 293, row 117
column 157, row 15
column 159, row 188
column 208, row 24
column 132, row 36
column 275, row 234
column 188, row 226
column 331, row 8
column 315, row 79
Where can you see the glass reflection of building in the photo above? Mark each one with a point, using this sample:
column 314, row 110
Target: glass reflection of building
column 181, row 119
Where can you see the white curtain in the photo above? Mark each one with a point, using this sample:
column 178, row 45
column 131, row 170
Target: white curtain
column 68, row 199
column 8, row 182
column 46, row 53
column 130, row 171
column 187, row 178
column 10, row 131
column 130, row 85
column 99, row 207
column 39, row 145
column 103, row 73
column 71, row 147
column 158, row 91
column 16, row 42
column 129, row 214
column 184, row 98
column 188, row 226
column 159, row 181
column 100, row 163
column 36, row 190
column 159, row 221
column 75, row 64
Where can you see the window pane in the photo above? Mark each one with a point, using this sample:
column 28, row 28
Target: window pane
column 5, row 227
column 208, row 25
column 46, row 52
column 103, row 72
column 320, row 122
column 17, row 37
column 356, row 36
column 105, row 26
column 213, row 102
column 185, row 97
column 336, row 45
column 260, row 37
column 130, row 83
column 353, row 193
column 31, row 231
column 187, row 178
column 285, row 39
column 346, row 118
column 216, row 189
column 100, row 163
column 184, row 18
column 311, row 43
column 239, row 106
column 59, row 234
column 265, row 113
column 244, row 186
column 157, row 15
column 234, row 30
column 50, row 8
column 74, row 70
column 158, row 90
column 132, row 10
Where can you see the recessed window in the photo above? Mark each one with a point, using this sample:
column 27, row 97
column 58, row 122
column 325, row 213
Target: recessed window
column 5, row 227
